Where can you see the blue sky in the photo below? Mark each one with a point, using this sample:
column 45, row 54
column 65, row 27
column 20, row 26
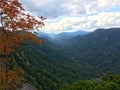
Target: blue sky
column 73, row 15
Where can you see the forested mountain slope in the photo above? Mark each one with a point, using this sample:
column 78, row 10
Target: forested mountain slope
column 47, row 67
column 89, row 56
column 110, row 82
column 100, row 48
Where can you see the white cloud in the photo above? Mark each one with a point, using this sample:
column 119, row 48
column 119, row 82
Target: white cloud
column 97, row 6
column 56, row 8
column 87, row 23
column 67, row 15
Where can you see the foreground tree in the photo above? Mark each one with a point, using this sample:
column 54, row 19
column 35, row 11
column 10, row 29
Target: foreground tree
column 15, row 29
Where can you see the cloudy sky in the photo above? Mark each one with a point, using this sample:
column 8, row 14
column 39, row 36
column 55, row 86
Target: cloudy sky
column 72, row 15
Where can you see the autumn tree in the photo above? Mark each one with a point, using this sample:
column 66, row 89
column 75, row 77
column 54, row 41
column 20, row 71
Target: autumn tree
column 15, row 28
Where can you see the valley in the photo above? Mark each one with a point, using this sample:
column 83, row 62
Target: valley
column 82, row 57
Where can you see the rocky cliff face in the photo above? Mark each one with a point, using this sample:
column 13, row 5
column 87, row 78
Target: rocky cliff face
column 27, row 87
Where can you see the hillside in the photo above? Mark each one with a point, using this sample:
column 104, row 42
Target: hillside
column 110, row 82
column 86, row 57
column 100, row 48
column 47, row 67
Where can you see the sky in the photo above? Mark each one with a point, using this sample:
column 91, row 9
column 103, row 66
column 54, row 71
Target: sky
column 73, row 15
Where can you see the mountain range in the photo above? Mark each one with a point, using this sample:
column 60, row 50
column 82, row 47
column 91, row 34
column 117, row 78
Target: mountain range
column 60, row 36
column 100, row 48
column 70, row 57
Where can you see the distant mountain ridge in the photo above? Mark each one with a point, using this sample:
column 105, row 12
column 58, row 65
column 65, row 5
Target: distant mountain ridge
column 68, row 35
column 63, row 35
